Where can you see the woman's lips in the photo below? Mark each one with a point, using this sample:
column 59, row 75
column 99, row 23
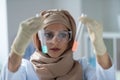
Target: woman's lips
column 55, row 49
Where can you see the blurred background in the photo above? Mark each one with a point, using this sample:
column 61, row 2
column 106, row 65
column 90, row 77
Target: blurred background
column 106, row 12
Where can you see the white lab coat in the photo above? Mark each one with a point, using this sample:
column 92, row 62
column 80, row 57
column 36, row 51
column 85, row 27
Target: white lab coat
column 26, row 72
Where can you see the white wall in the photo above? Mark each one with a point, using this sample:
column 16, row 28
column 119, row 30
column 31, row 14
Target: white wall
column 105, row 11
column 111, row 11
column 3, row 32
column 73, row 6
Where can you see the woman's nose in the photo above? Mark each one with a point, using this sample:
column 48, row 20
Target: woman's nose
column 55, row 40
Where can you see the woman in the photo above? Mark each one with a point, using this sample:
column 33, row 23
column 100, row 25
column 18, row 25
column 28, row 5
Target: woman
column 58, row 64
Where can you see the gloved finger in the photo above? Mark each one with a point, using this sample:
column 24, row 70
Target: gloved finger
column 85, row 20
column 90, row 23
column 33, row 23
column 37, row 18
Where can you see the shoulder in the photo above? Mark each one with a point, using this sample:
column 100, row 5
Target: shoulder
column 87, row 69
column 22, row 73
column 84, row 62
column 86, row 65
column 27, row 65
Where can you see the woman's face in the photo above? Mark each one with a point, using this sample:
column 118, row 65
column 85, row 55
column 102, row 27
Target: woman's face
column 56, row 39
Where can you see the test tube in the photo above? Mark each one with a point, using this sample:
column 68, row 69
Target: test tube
column 43, row 41
column 78, row 35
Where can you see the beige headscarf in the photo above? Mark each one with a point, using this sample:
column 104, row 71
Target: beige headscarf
column 62, row 67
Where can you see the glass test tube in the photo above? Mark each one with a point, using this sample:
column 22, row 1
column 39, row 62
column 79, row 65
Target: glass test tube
column 43, row 41
column 78, row 36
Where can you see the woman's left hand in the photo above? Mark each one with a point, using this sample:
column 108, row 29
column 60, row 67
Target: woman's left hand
column 95, row 31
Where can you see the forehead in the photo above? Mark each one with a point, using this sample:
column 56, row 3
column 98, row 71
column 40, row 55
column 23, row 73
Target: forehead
column 56, row 27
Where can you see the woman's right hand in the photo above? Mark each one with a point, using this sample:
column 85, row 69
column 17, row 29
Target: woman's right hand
column 26, row 29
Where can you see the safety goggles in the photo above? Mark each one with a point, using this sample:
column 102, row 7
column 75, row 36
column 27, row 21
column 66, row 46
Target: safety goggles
column 62, row 36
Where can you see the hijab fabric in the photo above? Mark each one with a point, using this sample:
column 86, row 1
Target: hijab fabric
column 62, row 67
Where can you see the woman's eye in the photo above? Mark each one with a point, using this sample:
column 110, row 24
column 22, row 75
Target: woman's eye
column 48, row 35
column 63, row 35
